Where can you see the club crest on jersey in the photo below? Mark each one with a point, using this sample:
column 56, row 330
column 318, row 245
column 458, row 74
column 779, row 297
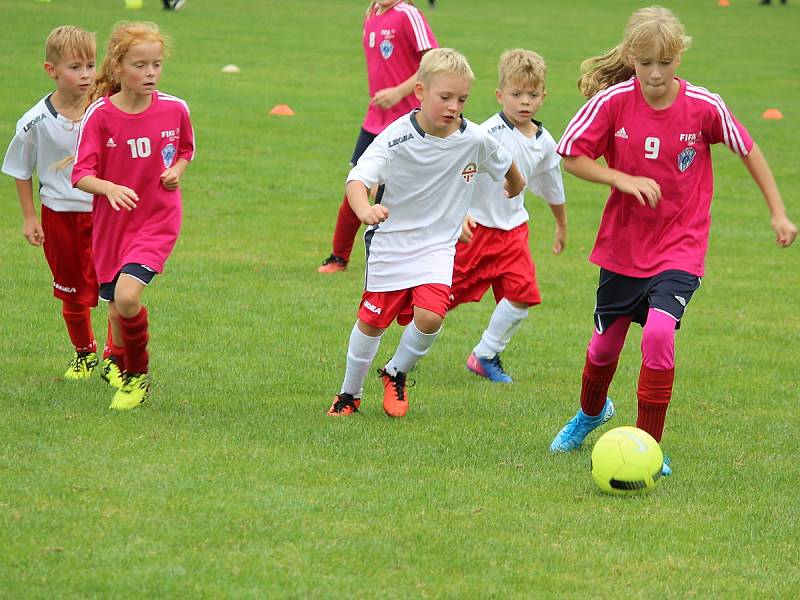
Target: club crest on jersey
column 685, row 158
column 386, row 48
column 469, row 172
column 168, row 155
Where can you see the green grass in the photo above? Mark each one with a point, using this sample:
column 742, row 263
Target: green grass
column 233, row 483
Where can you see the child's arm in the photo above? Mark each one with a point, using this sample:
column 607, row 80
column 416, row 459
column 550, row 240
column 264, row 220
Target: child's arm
column 118, row 195
column 467, row 228
column 785, row 230
column 171, row 177
column 388, row 97
column 645, row 190
column 560, row 215
column 357, row 196
column 515, row 182
column 31, row 228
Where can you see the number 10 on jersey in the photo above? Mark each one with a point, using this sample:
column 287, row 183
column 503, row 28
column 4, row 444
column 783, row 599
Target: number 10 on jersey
column 140, row 147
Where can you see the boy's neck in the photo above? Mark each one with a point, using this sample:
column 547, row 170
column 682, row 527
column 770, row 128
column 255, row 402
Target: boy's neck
column 68, row 105
column 131, row 103
column 430, row 129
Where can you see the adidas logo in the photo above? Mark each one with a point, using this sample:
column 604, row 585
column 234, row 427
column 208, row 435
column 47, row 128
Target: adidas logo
column 110, row 143
column 621, row 133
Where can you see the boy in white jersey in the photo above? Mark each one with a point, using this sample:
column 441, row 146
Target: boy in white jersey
column 427, row 160
column 493, row 250
column 45, row 143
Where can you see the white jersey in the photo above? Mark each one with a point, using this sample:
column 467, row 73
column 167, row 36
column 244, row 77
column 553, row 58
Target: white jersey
column 44, row 138
column 537, row 160
column 429, row 183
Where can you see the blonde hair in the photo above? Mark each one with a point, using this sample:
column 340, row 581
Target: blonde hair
column 371, row 7
column 443, row 61
column 648, row 28
column 124, row 35
column 68, row 39
column 522, row 67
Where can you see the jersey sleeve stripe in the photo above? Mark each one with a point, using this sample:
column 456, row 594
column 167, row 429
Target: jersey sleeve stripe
column 168, row 98
column 587, row 114
column 418, row 25
column 86, row 116
column 731, row 134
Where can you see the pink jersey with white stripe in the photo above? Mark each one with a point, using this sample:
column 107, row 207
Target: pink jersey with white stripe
column 671, row 146
column 133, row 150
column 394, row 43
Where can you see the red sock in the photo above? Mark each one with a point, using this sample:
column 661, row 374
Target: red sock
column 111, row 350
column 347, row 224
column 594, row 386
column 655, row 391
column 134, row 338
column 79, row 325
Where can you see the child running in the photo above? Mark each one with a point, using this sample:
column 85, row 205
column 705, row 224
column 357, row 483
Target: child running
column 134, row 145
column 427, row 161
column 396, row 36
column 654, row 131
column 493, row 250
column 45, row 143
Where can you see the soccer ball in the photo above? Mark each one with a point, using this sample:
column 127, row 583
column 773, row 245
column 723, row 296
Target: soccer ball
column 626, row 461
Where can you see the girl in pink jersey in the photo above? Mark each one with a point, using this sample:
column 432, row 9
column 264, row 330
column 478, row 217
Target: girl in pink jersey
column 396, row 36
column 134, row 145
column 654, row 132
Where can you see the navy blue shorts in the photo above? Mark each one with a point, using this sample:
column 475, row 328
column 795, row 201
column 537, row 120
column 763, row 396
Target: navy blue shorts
column 140, row 272
column 619, row 295
column 365, row 138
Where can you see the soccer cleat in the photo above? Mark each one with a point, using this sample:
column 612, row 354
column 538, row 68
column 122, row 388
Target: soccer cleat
column 666, row 470
column 81, row 366
column 332, row 264
column 110, row 373
column 134, row 391
column 575, row 431
column 490, row 368
column 344, row 405
column 395, row 395
column 173, row 4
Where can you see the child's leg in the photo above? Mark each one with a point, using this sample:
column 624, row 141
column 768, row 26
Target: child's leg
column 657, row 372
column 601, row 364
column 504, row 322
column 114, row 348
column 132, row 323
column 347, row 224
column 79, row 326
column 361, row 350
column 415, row 342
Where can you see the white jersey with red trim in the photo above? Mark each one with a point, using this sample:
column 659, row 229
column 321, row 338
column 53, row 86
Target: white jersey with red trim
column 429, row 184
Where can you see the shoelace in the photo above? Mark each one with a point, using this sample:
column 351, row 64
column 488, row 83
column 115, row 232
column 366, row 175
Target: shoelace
column 334, row 259
column 343, row 401
column 399, row 381
column 496, row 362
column 82, row 359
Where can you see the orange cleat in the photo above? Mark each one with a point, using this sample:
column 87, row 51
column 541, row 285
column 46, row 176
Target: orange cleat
column 395, row 395
column 333, row 264
column 344, row 405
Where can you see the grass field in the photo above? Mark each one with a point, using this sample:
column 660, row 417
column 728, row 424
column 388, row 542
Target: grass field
column 231, row 482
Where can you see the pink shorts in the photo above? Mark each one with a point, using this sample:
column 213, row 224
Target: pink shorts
column 379, row 309
column 498, row 259
column 68, row 249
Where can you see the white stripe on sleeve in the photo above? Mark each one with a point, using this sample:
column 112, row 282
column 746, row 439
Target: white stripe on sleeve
column 417, row 24
column 587, row 114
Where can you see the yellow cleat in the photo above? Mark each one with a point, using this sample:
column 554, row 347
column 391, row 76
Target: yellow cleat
column 134, row 391
column 110, row 373
column 81, row 366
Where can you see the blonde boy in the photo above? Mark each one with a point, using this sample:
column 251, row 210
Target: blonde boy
column 493, row 250
column 45, row 143
column 428, row 161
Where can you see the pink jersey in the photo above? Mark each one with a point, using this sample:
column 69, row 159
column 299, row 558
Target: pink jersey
column 671, row 146
column 394, row 43
column 133, row 150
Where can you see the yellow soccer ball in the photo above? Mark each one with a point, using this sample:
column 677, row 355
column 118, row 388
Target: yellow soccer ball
column 134, row 4
column 626, row 461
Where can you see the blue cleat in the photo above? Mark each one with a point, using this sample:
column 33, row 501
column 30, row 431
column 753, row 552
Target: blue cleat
column 575, row 431
column 490, row 368
column 666, row 470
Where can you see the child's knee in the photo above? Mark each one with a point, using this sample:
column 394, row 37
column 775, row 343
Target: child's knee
column 426, row 321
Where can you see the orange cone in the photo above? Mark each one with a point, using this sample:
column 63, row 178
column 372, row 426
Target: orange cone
column 724, row 3
column 772, row 113
column 283, row 110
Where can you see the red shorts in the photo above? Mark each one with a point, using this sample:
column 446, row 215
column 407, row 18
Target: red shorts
column 497, row 258
column 379, row 309
column 68, row 249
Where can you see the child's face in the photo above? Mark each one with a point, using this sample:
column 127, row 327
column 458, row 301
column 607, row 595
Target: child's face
column 73, row 74
column 520, row 102
column 140, row 68
column 656, row 73
column 442, row 102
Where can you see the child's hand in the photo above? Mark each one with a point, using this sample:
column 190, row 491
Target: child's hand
column 33, row 231
column 646, row 190
column 785, row 231
column 511, row 190
column 119, row 195
column 386, row 98
column 170, row 178
column 560, row 240
column 376, row 213
column 466, row 229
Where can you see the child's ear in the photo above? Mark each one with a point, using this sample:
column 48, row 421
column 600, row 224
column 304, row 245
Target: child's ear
column 50, row 69
column 419, row 90
column 498, row 93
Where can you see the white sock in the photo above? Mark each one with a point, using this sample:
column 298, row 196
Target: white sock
column 361, row 352
column 413, row 345
column 505, row 321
